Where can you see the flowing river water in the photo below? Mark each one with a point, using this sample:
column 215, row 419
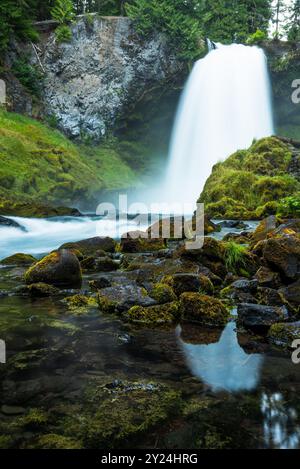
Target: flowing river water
column 237, row 390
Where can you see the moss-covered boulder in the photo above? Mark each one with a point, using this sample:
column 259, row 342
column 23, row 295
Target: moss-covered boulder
column 163, row 293
column 90, row 246
column 120, row 298
column 265, row 227
column 186, row 282
column 250, row 183
column 283, row 255
column 203, row 309
column 179, row 228
column 291, row 295
column 130, row 412
column 140, row 241
column 19, row 260
column 167, row 313
column 60, row 268
column 284, row 334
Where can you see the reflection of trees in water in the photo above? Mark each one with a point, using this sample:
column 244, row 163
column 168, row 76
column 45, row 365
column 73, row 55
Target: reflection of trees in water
column 281, row 423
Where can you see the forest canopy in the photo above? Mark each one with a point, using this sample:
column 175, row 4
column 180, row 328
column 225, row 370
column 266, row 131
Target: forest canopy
column 185, row 22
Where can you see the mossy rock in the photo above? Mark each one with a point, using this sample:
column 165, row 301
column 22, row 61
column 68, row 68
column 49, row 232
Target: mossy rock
column 60, row 268
column 80, row 304
column 41, row 290
column 123, row 419
column 163, row 293
column 250, row 182
column 19, row 260
column 140, row 242
column 284, row 334
column 54, row 441
column 90, row 247
column 153, row 315
column 203, row 309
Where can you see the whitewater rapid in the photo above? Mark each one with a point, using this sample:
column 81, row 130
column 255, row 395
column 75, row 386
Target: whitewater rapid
column 41, row 236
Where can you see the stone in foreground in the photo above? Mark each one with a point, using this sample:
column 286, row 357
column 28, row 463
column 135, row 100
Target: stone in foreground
column 203, row 309
column 60, row 268
column 256, row 316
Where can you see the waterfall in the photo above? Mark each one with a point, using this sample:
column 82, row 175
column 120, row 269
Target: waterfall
column 225, row 105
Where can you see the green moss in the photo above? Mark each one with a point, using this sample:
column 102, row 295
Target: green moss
column 106, row 305
column 42, row 165
column 80, row 304
column 161, row 314
column 249, row 181
column 284, row 334
column 123, row 419
column 41, row 290
column 51, row 258
column 6, row 441
column 163, row 293
column 19, row 259
column 54, row 441
column 35, row 419
column 203, row 309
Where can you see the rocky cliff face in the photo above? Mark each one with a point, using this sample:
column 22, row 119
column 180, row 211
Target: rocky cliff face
column 284, row 62
column 92, row 81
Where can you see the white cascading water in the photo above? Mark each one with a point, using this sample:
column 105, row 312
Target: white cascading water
column 225, row 105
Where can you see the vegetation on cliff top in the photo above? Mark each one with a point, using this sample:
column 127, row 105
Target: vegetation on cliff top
column 39, row 164
column 251, row 183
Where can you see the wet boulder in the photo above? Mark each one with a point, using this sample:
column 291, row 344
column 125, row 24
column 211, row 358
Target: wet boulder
column 141, row 242
column 260, row 316
column 188, row 282
column 60, row 268
column 283, row 255
column 90, row 246
column 292, row 294
column 235, row 224
column 162, row 293
column 19, row 260
column 106, row 264
column 284, row 334
column 99, row 283
column 120, row 298
column 203, row 309
column 270, row 297
column 266, row 277
column 265, row 227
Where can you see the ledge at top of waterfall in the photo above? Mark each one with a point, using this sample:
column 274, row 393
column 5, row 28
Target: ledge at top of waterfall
column 226, row 104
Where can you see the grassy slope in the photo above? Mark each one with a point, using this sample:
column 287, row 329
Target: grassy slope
column 250, row 183
column 40, row 164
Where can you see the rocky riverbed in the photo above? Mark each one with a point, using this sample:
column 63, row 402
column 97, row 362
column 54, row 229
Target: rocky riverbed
column 144, row 342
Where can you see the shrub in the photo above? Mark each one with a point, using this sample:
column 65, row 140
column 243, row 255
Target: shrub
column 29, row 75
column 290, row 206
column 63, row 33
column 257, row 37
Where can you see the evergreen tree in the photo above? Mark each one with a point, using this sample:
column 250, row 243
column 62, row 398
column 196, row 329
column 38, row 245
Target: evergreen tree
column 293, row 25
column 16, row 18
column 234, row 20
column 178, row 19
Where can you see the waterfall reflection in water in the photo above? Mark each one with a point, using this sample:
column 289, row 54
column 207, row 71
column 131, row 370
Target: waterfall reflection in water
column 223, row 365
